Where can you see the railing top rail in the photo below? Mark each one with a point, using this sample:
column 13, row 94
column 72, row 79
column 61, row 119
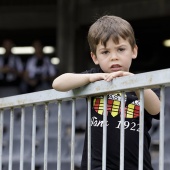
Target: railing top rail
column 142, row 80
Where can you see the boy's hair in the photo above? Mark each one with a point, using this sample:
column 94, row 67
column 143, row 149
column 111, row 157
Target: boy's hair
column 110, row 27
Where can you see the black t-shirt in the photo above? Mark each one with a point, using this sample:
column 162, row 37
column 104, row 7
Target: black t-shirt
column 131, row 126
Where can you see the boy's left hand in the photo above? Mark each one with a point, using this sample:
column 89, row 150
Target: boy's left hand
column 111, row 76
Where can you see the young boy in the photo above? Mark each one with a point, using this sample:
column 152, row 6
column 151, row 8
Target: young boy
column 112, row 44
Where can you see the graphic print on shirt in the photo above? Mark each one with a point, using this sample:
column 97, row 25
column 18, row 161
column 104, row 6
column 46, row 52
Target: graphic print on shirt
column 114, row 106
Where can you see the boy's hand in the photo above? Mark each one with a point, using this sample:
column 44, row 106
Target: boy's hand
column 108, row 76
column 111, row 76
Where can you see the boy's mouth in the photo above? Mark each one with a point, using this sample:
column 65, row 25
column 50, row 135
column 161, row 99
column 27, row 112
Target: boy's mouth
column 115, row 67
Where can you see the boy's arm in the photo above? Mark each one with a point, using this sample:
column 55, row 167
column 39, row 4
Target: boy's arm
column 151, row 101
column 69, row 81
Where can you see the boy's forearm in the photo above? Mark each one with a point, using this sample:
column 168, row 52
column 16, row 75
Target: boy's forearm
column 69, row 81
column 151, row 101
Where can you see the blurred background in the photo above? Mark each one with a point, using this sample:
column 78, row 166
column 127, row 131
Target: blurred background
column 63, row 24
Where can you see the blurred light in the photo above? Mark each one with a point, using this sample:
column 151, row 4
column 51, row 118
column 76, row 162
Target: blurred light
column 27, row 50
column 48, row 49
column 166, row 43
column 2, row 50
column 23, row 50
column 55, row 60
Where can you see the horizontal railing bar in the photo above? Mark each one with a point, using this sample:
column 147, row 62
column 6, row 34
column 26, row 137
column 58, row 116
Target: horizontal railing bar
column 151, row 79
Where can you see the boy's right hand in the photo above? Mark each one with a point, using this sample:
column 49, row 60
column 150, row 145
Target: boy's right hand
column 107, row 76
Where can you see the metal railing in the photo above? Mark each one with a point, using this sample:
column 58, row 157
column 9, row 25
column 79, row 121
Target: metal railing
column 156, row 79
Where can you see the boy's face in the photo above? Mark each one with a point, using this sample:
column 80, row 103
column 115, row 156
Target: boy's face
column 114, row 57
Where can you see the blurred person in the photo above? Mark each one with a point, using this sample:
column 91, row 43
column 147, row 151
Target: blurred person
column 11, row 66
column 39, row 71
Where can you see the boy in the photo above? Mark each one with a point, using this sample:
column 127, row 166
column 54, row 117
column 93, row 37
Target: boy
column 112, row 44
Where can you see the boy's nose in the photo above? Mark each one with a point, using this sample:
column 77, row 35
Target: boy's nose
column 114, row 56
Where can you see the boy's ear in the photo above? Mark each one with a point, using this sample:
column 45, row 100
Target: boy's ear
column 135, row 52
column 94, row 58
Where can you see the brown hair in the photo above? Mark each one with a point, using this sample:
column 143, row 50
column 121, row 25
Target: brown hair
column 110, row 27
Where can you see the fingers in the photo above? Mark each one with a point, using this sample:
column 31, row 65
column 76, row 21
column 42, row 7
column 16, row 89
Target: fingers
column 111, row 76
column 127, row 73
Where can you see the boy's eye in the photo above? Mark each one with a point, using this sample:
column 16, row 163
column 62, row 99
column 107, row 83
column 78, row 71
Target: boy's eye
column 105, row 52
column 121, row 49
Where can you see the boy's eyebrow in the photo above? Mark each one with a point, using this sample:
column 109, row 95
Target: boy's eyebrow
column 103, row 48
column 116, row 46
column 123, row 44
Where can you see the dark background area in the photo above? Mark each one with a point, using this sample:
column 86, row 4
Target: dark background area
column 64, row 24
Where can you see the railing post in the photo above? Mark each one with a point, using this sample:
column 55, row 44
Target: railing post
column 22, row 137
column 104, row 133
column 141, row 129
column 73, row 133
column 161, row 132
column 11, row 138
column 59, row 137
column 33, row 137
column 46, row 136
column 122, row 131
column 89, row 132
column 1, row 137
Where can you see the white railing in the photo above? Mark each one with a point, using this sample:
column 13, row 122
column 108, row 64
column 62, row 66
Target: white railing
column 48, row 99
